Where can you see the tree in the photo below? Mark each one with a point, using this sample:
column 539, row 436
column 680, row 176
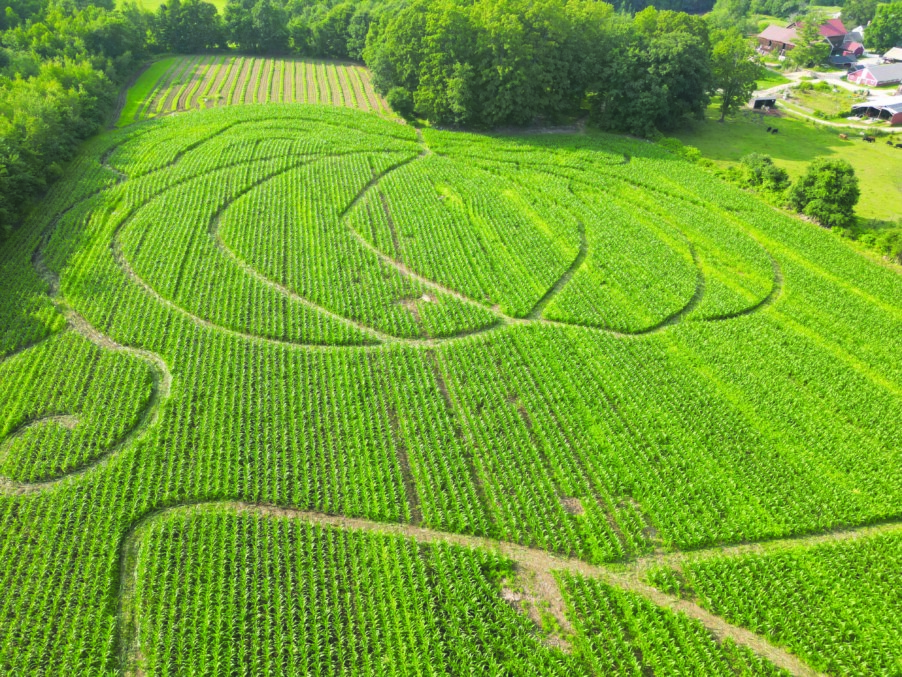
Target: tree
column 858, row 12
column 189, row 26
column 828, row 192
column 400, row 101
column 885, row 31
column 811, row 48
column 734, row 69
column 730, row 13
column 258, row 26
column 658, row 74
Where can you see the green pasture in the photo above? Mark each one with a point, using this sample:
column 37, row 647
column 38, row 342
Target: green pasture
column 797, row 143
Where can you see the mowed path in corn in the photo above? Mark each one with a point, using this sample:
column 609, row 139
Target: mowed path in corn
column 183, row 83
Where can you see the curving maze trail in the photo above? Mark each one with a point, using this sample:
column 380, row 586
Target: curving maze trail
column 528, row 559
column 379, row 337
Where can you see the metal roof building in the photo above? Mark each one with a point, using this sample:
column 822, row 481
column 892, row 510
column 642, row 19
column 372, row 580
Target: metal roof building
column 889, row 108
column 875, row 76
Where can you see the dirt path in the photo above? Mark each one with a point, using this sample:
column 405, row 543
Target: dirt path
column 536, row 564
column 501, row 319
column 160, row 389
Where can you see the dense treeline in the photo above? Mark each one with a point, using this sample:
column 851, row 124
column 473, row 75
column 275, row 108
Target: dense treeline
column 500, row 62
column 59, row 68
column 495, row 62
column 476, row 63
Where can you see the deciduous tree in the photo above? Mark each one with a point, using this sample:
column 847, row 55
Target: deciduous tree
column 828, row 192
column 734, row 69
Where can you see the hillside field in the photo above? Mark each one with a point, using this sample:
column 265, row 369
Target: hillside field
column 300, row 390
column 180, row 83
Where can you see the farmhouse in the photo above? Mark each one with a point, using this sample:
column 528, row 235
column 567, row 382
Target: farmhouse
column 779, row 40
column 877, row 76
column 889, row 108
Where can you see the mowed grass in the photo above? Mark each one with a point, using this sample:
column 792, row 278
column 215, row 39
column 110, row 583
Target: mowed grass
column 827, row 102
column 770, row 78
column 142, row 88
column 878, row 165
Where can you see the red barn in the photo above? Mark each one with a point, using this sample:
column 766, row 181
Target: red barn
column 776, row 39
column 780, row 40
column 877, row 76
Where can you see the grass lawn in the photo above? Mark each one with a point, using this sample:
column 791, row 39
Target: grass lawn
column 769, row 78
column 139, row 91
column 797, row 143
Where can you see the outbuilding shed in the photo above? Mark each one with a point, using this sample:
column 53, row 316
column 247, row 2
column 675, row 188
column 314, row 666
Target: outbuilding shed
column 894, row 55
column 763, row 103
column 889, row 108
column 842, row 61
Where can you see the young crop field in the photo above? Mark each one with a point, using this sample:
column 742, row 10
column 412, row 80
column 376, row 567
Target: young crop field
column 301, row 390
column 181, row 83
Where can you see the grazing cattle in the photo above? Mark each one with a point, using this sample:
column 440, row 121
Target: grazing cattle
column 844, row 137
column 870, row 139
column 899, row 145
column 774, row 130
column 768, row 130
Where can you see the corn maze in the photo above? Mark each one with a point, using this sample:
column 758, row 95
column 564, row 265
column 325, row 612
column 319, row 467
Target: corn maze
column 300, row 390
column 183, row 83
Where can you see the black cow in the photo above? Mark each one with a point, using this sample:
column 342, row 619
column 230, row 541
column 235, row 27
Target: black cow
column 899, row 145
column 870, row 139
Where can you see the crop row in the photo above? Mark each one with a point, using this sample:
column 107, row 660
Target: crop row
column 851, row 589
column 777, row 422
column 99, row 394
column 225, row 593
column 192, row 82
column 623, row 634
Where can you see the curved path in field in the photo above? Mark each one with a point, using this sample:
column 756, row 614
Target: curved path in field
column 376, row 336
column 160, row 389
column 540, row 563
column 162, row 378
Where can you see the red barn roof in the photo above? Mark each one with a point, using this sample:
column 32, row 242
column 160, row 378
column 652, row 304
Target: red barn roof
column 832, row 28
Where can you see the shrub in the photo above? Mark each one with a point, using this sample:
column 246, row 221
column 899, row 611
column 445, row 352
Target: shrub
column 759, row 171
column 828, row 192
